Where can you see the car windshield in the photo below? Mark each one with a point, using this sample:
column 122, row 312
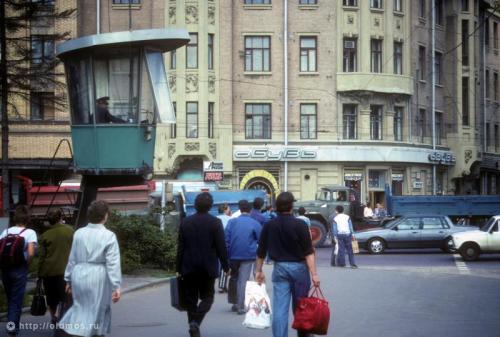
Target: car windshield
column 487, row 225
column 390, row 223
column 323, row 195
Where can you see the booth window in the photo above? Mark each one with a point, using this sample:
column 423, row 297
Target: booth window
column 80, row 80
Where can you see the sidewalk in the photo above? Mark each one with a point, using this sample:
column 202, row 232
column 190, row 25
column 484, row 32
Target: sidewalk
column 129, row 283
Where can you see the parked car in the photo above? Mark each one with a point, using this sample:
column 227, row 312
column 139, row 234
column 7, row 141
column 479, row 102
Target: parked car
column 415, row 231
column 480, row 241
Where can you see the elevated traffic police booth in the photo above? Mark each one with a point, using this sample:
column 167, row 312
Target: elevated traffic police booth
column 118, row 92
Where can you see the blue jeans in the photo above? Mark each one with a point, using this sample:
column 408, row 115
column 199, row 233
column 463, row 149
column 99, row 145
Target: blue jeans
column 290, row 279
column 14, row 281
column 345, row 244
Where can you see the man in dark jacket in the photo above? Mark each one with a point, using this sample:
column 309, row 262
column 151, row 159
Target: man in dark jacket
column 242, row 235
column 201, row 244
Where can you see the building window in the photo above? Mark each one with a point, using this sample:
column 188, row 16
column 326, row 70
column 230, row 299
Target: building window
column 350, row 121
column 465, row 101
column 44, row 2
column 465, row 42
column 398, row 58
column 192, row 52
column 308, row 2
column 257, row 53
column 421, row 63
column 257, row 121
column 191, row 119
column 421, row 8
column 376, row 179
column 42, row 49
column 488, row 140
column 351, row 3
column 173, row 59
column 211, row 106
column 465, row 5
column 126, row 2
column 497, row 140
column 350, row 55
column 439, row 12
column 376, row 4
column 257, row 2
column 42, row 106
column 495, row 35
column 487, row 83
column 308, row 54
column 210, row 51
column 439, row 127
column 376, row 122
column 487, row 32
column 421, row 125
column 398, row 123
column 308, row 118
column 398, row 5
column 438, row 67
column 376, row 59
column 173, row 126
column 495, row 86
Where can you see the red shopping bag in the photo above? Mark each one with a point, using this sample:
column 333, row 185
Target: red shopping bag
column 312, row 314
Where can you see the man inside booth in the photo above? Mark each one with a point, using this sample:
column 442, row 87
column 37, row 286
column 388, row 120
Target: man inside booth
column 103, row 116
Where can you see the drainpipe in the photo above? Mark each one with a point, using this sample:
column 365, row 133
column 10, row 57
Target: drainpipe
column 98, row 16
column 285, row 86
column 433, row 102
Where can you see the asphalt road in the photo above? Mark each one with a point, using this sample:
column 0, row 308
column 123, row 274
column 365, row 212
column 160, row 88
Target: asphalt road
column 398, row 294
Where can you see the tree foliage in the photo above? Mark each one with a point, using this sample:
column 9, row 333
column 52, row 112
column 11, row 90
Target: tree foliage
column 27, row 68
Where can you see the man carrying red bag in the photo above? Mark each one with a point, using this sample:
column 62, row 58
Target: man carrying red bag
column 288, row 242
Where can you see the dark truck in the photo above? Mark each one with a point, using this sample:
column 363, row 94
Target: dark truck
column 323, row 207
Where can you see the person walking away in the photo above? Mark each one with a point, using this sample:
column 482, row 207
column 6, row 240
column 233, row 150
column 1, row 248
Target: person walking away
column 200, row 245
column 256, row 211
column 15, row 270
column 224, row 216
column 289, row 244
column 302, row 216
column 93, row 276
column 55, row 246
column 242, row 236
column 343, row 232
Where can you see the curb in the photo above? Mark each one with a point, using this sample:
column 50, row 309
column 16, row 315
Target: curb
column 136, row 287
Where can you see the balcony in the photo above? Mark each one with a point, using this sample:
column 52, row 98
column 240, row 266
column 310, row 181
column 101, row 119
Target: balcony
column 377, row 82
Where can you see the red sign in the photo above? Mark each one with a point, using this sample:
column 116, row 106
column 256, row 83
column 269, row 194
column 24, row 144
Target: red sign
column 213, row 176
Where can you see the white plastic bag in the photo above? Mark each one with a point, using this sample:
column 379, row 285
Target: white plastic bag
column 258, row 306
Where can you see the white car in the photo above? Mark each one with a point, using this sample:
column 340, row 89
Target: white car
column 471, row 244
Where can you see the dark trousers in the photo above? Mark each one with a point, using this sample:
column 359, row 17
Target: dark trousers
column 54, row 290
column 345, row 246
column 199, row 290
column 14, row 282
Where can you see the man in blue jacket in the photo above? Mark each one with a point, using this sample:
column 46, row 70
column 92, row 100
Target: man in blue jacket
column 242, row 235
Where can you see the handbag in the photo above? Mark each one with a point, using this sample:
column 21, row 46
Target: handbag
column 232, row 290
column 355, row 246
column 39, row 303
column 61, row 310
column 312, row 314
column 177, row 293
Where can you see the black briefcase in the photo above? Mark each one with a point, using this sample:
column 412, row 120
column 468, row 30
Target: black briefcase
column 232, row 290
column 177, row 293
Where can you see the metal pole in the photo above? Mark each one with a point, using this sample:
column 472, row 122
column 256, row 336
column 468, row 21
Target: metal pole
column 5, row 113
column 98, row 16
column 163, row 204
column 285, row 94
column 433, row 85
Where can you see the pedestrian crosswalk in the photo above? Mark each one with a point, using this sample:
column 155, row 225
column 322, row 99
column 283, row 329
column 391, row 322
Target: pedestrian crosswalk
column 461, row 265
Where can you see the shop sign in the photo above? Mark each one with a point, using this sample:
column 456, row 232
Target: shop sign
column 213, row 171
column 418, row 184
column 275, row 154
column 397, row 177
column 445, row 158
column 353, row 176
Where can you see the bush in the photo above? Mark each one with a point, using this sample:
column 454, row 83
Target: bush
column 142, row 243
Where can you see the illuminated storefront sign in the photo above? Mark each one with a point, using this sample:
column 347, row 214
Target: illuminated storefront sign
column 275, row 154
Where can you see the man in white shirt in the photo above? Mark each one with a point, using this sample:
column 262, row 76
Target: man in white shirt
column 343, row 232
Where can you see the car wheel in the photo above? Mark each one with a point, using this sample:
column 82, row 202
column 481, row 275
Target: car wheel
column 318, row 233
column 376, row 246
column 470, row 251
column 445, row 246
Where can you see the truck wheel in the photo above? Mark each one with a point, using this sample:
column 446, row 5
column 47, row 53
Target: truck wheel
column 376, row 246
column 318, row 233
column 470, row 251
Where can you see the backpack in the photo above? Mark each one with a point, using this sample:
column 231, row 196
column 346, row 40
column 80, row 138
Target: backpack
column 12, row 250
